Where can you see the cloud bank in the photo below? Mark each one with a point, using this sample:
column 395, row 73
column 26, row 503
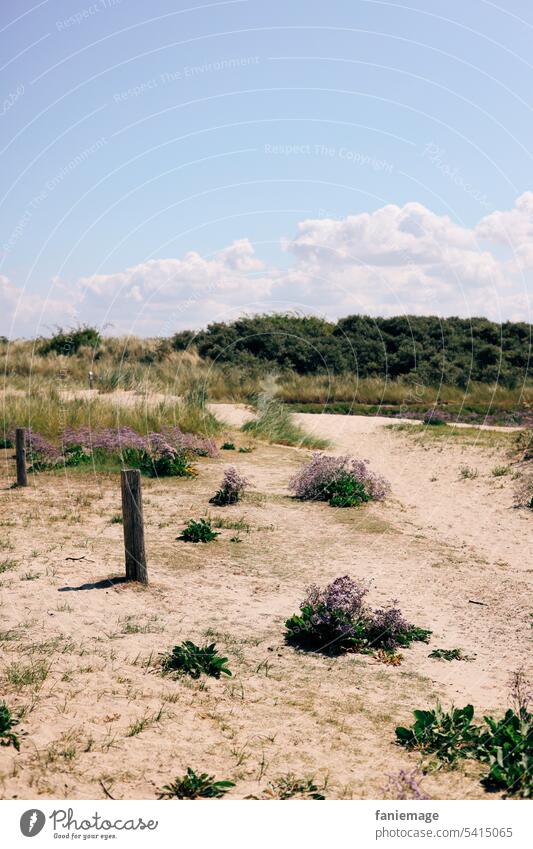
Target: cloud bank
column 392, row 261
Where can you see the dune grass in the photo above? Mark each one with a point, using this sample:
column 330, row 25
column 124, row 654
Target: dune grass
column 274, row 423
column 49, row 413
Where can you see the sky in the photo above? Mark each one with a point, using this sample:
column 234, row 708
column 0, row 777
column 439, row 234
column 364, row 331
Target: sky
column 168, row 164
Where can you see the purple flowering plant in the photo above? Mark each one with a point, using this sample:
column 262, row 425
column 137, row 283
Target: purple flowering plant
column 343, row 481
column 336, row 619
column 157, row 454
column 231, row 489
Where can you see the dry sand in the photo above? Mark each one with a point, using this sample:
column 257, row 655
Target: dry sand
column 102, row 716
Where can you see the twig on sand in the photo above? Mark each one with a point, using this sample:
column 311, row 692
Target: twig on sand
column 473, row 601
column 106, row 791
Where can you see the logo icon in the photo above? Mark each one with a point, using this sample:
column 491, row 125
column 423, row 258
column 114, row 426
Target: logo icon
column 32, row 822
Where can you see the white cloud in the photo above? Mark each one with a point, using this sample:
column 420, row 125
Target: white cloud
column 394, row 260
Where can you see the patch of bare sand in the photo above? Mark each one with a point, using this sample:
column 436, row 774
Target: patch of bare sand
column 98, row 714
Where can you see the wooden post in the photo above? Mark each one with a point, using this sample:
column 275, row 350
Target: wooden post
column 132, row 518
column 20, row 443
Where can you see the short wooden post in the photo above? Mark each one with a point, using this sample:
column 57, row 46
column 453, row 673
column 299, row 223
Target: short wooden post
column 132, row 518
column 20, row 444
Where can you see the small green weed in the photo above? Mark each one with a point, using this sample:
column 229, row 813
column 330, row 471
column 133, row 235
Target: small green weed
column 200, row 531
column 228, row 446
column 450, row 654
column 194, row 786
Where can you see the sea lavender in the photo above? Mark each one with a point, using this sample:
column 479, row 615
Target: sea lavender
column 404, row 785
column 231, row 489
column 314, row 482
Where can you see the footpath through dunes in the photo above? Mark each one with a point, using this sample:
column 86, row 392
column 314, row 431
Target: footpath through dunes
column 459, row 539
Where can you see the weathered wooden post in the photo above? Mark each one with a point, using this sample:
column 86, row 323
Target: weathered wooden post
column 20, row 446
column 132, row 518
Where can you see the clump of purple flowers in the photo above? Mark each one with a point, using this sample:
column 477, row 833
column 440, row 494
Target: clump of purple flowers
column 404, row 785
column 316, row 480
column 168, row 452
column 231, row 489
column 336, row 619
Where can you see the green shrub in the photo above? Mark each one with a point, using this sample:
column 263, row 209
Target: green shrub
column 193, row 786
column 228, row 446
column 200, row 531
column 8, row 722
column 190, row 659
column 68, row 342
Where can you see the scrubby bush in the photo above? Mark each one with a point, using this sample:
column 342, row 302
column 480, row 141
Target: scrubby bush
column 68, row 342
column 228, row 446
column 200, row 531
column 343, row 481
column 336, row 619
column 231, row 489
column 193, row 660
column 193, row 786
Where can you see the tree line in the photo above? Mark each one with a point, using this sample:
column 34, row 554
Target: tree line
column 429, row 349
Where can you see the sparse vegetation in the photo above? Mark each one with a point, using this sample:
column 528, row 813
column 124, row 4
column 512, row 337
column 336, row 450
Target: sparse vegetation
column 194, row 786
column 290, row 787
column 190, row 659
column 450, row 654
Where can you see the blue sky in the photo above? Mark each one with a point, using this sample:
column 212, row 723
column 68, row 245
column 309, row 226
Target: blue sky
column 168, row 164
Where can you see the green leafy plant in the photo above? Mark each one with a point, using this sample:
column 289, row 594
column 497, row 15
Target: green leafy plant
column 228, row 446
column 346, row 491
column 194, row 786
column 200, row 531
column 193, row 660
column 504, row 745
column 450, row 735
column 8, row 722
column 450, row 654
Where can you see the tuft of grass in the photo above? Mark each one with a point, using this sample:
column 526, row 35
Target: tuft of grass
column 144, row 722
column 290, row 787
column 20, row 675
column 7, row 565
column 274, row 423
column 500, row 471
column 116, row 519
column 194, row 786
column 468, row 473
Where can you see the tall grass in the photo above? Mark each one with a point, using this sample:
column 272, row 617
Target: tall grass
column 274, row 423
column 147, row 366
column 48, row 413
